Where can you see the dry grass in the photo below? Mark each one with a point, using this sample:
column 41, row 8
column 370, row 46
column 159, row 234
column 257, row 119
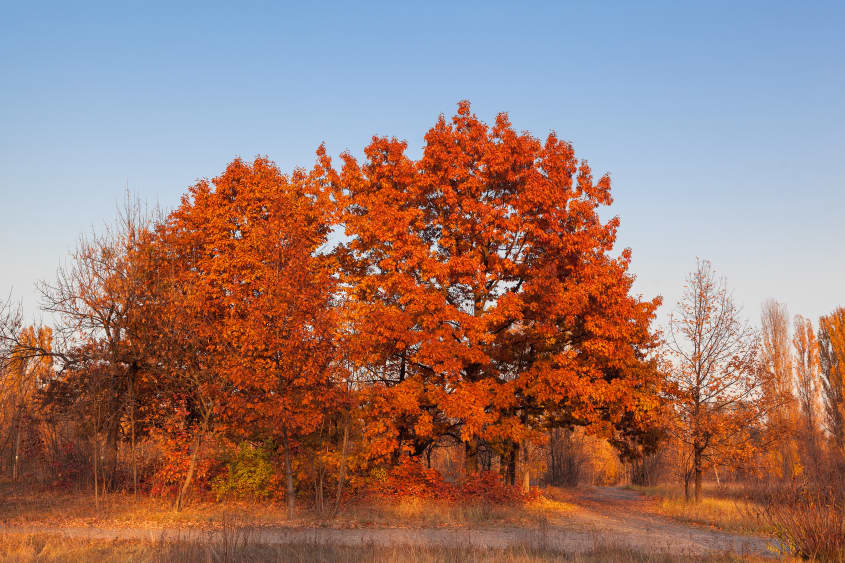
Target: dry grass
column 414, row 512
column 121, row 510
column 808, row 523
column 235, row 546
column 724, row 508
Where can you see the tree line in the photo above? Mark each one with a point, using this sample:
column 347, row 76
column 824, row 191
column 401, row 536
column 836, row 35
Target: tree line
column 324, row 327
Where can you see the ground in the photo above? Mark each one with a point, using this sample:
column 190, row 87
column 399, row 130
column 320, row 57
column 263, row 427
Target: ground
column 570, row 521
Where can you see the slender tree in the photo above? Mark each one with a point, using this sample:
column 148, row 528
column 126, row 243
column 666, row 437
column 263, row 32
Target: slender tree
column 807, row 384
column 95, row 299
column 776, row 357
column 718, row 395
column 21, row 378
column 832, row 365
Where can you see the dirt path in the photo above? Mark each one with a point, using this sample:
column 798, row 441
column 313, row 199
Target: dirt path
column 605, row 517
column 622, row 515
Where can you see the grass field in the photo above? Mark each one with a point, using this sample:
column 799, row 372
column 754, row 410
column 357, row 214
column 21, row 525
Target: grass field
column 120, row 510
column 590, row 524
column 238, row 548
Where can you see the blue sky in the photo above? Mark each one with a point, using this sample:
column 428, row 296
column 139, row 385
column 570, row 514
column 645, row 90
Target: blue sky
column 722, row 124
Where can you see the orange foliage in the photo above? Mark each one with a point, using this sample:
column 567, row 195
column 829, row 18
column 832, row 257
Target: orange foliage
column 478, row 298
column 248, row 273
column 482, row 300
column 411, row 479
column 174, row 442
column 487, row 486
column 831, row 338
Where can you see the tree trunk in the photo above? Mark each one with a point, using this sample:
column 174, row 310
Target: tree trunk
column 697, row 469
column 290, row 492
column 16, row 461
column 526, row 470
column 96, row 471
column 132, row 431
column 470, row 457
column 183, row 491
column 318, row 491
column 512, row 465
column 342, row 469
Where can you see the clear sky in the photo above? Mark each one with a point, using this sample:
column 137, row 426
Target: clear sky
column 722, row 124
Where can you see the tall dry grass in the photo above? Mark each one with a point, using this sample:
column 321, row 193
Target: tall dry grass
column 727, row 508
column 236, row 545
column 22, row 507
column 808, row 519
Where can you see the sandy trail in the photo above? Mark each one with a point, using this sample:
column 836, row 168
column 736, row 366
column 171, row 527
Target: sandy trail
column 605, row 517
column 621, row 514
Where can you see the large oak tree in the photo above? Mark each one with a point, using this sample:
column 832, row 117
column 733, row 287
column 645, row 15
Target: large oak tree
column 484, row 298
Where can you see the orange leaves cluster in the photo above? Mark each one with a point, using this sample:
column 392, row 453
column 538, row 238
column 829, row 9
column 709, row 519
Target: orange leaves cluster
column 250, row 241
column 474, row 297
column 410, row 479
column 479, row 283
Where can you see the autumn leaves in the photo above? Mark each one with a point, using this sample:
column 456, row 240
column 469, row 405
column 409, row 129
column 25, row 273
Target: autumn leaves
column 473, row 300
column 473, row 297
column 479, row 291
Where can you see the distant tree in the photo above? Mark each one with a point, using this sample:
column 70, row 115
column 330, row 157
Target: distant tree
column 22, row 376
column 832, row 365
column 807, row 383
column 96, row 300
column 776, row 357
column 718, row 394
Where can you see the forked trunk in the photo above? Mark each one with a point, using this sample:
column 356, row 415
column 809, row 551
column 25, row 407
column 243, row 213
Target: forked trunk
column 183, row 490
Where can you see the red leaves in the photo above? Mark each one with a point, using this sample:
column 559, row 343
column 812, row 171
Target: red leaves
column 410, row 479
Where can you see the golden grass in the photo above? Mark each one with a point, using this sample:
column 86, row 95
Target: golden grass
column 122, row 510
column 237, row 547
column 724, row 508
column 415, row 512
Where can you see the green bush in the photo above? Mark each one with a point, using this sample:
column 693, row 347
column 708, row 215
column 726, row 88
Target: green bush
column 250, row 474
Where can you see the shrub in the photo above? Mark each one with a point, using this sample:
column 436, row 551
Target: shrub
column 410, row 479
column 173, row 460
column 250, row 474
column 488, row 487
